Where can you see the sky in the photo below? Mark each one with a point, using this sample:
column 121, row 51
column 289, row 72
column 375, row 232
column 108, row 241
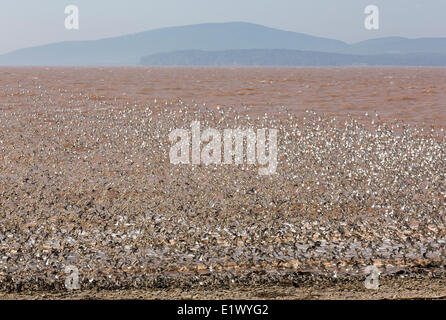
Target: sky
column 27, row 23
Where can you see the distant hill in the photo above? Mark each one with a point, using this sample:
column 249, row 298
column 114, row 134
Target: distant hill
column 399, row 45
column 258, row 57
column 129, row 49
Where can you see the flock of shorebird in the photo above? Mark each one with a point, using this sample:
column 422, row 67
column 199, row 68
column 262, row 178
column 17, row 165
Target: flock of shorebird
column 94, row 188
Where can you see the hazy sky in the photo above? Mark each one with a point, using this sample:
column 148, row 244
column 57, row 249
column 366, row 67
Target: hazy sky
column 25, row 23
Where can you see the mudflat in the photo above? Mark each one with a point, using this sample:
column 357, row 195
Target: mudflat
column 87, row 182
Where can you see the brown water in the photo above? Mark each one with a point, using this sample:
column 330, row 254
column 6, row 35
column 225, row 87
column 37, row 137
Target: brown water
column 412, row 94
